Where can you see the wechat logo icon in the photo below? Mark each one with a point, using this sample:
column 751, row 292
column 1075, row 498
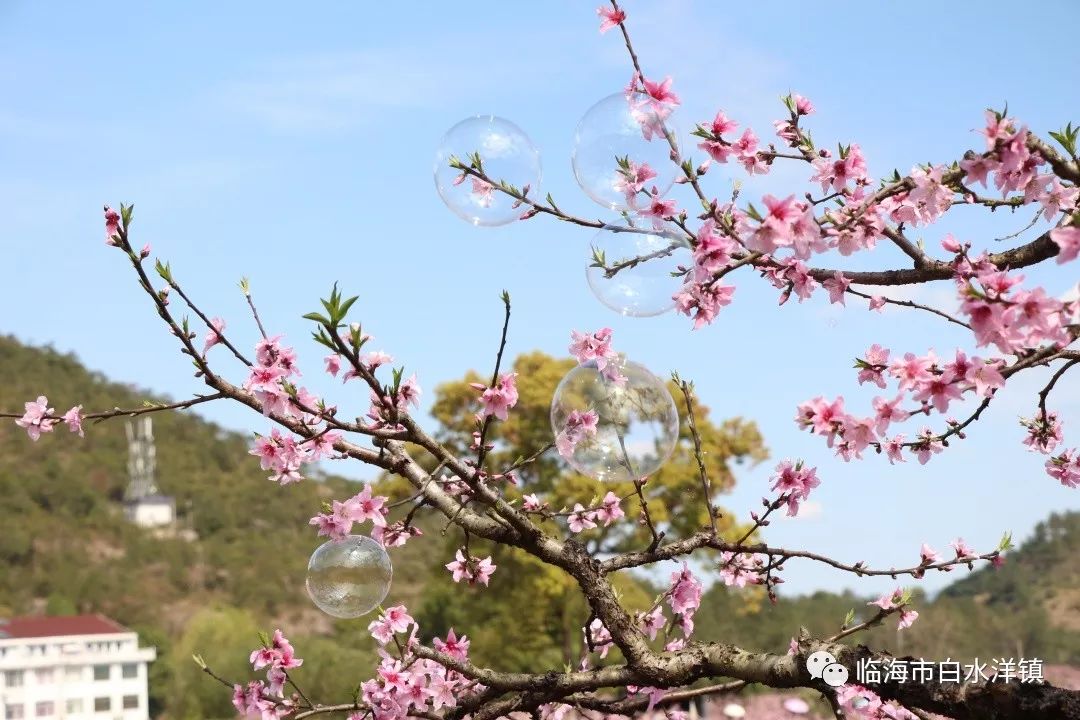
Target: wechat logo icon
column 822, row 665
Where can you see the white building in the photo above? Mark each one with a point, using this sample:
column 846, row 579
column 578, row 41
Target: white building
column 82, row 667
column 151, row 511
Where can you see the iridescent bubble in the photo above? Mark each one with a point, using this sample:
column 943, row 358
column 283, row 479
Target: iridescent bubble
column 637, row 264
column 350, row 577
column 614, row 140
column 637, row 424
column 506, row 154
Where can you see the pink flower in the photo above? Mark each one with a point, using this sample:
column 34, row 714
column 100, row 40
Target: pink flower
column 1065, row 468
column 977, row 168
column 213, row 335
column 610, row 509
column 653, row 622
column 610, row 17
column 531, row 503
column 1068, row 242
column 685, row 593
column 363, row 507
column 633, row 178
column 928, row 556
column 393, row 620
column 875, row 360
column 803, row 106
column 894, row 449
column 74, row 418
column 837, row 285
column 961, row 548
column 286, row 656
column 579, row 425
column 470, row 569
column 453, row 646
column 408, row 394
column 877, row 302
column 926, row 445
column 112, row 226
column 483, row 192
column 890, row 600
column 580, row 520
column 333, row 364
column 35, row 420
column 498, row 400
column 331, row 525
column 702, row 301
column 598, row 636
column 907, row 619
column 796, row 481
column 661, row 92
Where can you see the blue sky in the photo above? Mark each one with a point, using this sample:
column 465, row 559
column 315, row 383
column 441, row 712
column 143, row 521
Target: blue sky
column 295, row 147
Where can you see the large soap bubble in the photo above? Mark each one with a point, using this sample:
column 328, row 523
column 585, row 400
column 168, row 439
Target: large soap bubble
column 642, row 261
column 636, row 423
column 506, row 153
column 350, row 577
column 615, row 141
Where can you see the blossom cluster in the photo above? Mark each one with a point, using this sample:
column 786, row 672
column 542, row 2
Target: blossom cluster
column 929, row 381
column 403, row 686
column 38, row 418
column 363, row 507
column 608, row 511
column 265, row 700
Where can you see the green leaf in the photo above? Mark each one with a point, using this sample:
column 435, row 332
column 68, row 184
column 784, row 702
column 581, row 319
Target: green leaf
column 1006, row 542
column 848, row 619
column 316, row 317
column 347, row 305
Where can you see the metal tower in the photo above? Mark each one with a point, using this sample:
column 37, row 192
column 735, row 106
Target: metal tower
column 142, row 460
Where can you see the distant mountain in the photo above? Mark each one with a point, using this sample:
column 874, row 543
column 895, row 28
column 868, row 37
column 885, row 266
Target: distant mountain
column 1029, row 607
column 1044, row 572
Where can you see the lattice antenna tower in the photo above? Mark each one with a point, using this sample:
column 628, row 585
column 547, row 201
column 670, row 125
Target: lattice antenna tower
column 142, row 459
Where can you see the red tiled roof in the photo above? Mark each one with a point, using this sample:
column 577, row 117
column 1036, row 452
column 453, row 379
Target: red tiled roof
column 58, row 626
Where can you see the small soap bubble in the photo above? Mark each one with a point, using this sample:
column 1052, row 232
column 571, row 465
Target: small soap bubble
column 621, row 151
column 349, row 578
column 637, row 423
column 636, row 278
column 506, row 154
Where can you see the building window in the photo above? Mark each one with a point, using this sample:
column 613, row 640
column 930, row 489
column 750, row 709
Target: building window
column 13, row 678
column 74, row 706
column 130, row 671
column 13, row 712
column 44, row 709
column 102, row 704
column 43, row 676
column 73, row 672
column 101, row 672
column 131, row 702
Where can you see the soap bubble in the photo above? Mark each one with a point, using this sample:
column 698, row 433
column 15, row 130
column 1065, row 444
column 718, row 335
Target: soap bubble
column 641, row 290
column 614, row 128
column 637, row 422
column 350, row 577
column 506, row 153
